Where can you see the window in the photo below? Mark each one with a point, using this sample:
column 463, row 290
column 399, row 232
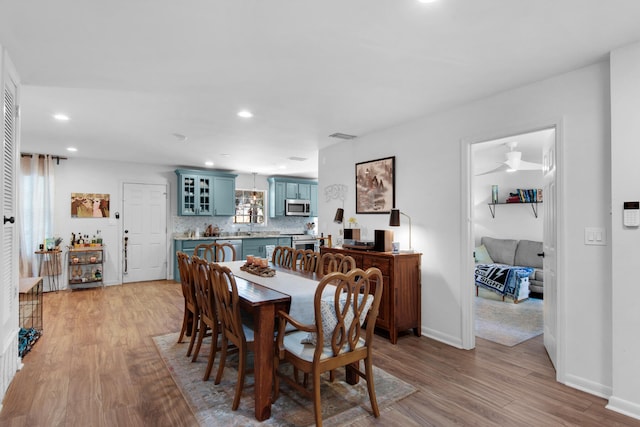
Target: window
column 249, row 207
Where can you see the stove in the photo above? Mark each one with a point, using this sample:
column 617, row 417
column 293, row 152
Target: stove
column 304, row 241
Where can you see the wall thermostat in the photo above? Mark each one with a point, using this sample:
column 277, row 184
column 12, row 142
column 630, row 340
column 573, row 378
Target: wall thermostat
column 631, row 214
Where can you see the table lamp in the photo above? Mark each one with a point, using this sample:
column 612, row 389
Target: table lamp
column 394, row 221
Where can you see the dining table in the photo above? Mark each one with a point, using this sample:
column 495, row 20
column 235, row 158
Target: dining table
column 290, row 290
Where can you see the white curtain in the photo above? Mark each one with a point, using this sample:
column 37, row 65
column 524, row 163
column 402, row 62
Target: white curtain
column 36, row 195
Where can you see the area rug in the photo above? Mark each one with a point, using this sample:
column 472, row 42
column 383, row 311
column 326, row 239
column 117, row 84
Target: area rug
column 342, row 403
column 505, row 322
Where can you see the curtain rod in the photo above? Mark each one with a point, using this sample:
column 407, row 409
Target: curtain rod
column 56, row 158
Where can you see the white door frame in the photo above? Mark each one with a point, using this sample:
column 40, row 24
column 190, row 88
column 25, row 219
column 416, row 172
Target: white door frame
column 467, row 243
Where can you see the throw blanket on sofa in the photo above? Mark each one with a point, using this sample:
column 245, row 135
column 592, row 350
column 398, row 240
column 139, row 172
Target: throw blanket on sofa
column 502, row 279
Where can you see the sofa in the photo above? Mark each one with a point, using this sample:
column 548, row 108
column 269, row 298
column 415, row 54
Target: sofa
column 522, row 253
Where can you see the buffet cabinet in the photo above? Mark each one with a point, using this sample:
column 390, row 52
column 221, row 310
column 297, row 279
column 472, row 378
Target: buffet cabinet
column 400, row 306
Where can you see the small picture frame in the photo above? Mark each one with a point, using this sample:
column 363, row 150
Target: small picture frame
column 375, row 186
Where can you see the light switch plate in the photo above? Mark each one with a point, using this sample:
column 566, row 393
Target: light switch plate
column 595, row 236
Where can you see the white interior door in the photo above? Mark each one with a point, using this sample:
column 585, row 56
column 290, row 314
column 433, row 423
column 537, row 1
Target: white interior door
column 9, row 236
column 549, row 247
column 145, row 232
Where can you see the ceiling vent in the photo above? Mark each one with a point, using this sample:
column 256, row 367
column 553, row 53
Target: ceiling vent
column 298, row 159
column 342, row 135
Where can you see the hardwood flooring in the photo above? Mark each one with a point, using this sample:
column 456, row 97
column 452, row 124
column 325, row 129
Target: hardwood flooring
column 96, row 365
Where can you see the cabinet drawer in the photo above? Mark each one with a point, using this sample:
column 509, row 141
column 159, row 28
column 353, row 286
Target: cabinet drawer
column 381, row 263
column 191, row 244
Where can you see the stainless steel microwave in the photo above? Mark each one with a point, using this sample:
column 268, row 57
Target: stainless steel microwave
column 294, row 207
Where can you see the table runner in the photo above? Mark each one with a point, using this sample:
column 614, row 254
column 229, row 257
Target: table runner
column 300, row 289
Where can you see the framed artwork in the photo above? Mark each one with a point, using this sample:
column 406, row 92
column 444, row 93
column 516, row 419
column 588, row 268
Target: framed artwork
column 89, row 205
column 375, row 186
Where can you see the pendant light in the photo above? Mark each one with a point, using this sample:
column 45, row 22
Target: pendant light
column 254, row 195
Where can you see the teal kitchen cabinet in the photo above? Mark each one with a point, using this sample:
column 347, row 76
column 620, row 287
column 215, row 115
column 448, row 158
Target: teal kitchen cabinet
column 257, row 246
column 205, row 193
column 224, row 195
column 194, row 194
column 186, row 246
column 284, row 241
column 282, row 188
column 299, row 191
column 277, row 196
column 313, row 197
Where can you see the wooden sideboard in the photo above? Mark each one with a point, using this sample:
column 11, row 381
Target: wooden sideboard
column 400, row 307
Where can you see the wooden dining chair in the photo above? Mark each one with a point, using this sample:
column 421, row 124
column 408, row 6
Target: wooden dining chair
column 306, row 260
column 283, row 256
column 208, row 315
column 331, row 262
column 242, row 336
column 337, row 338
column 191, row 319
column 205, row 251
column 224, row 252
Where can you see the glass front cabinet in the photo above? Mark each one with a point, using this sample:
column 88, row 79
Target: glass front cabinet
column 203, row 193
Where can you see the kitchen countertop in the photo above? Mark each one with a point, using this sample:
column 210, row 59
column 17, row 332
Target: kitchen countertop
column 233, row 237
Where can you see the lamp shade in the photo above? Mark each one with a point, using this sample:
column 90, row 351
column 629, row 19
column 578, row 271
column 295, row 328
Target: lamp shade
column 339, row 216
column 394, row 218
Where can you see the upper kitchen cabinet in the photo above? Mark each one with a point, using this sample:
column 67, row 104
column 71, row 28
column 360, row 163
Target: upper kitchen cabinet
column 299, row 191
column 205, row 193
column 283, row 188
column 313, row 196
column 224, row 195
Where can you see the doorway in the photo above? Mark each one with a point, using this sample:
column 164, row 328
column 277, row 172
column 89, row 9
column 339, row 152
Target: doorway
column 550, row 185
column 144, row 232
column 509, row 232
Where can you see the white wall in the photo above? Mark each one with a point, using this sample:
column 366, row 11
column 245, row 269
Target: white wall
column 92, row 176
column 625, row 186
column 514, row 221
column 428, row 188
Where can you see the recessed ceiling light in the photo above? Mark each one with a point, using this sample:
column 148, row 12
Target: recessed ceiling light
column 209, row 163
column 73, row 149
column 61, row 117
column 245, row 114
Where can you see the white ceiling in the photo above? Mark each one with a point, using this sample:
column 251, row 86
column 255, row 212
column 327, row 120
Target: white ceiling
column 131, row 73
column 489, row 155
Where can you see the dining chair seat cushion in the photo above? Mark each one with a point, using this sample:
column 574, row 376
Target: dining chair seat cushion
column 294, row 345
column 330, row 321
column 248, row 332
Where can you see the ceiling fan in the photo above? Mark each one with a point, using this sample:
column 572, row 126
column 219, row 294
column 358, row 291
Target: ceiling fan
column 513, row 161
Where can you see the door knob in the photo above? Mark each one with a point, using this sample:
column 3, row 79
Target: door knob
column 11, row 220
column 541, row 254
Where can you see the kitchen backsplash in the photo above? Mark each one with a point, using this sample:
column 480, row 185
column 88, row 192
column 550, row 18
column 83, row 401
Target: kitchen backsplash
column 287, row 225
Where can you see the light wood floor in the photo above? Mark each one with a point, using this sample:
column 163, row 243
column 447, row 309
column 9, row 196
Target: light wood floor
column 96, row 365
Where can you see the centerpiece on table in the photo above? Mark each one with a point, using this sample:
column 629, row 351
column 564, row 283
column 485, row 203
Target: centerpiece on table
column 258, row 266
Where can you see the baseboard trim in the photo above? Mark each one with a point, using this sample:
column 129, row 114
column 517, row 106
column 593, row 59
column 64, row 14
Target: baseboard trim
column 588, row 386
column 624, row 407
column 439, row 336
column 9, row 362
